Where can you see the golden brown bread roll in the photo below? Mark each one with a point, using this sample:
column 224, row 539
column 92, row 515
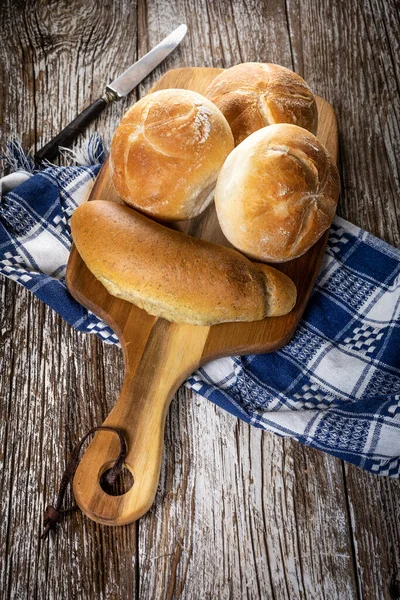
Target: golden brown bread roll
column 173, row 275
column 277, row 193
column 254, row 95
column 167, row 152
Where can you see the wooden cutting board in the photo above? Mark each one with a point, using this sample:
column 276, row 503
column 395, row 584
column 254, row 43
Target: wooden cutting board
column 160, row 355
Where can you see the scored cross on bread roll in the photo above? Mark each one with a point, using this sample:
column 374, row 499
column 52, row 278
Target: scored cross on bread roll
column 277, row 193
column 167, row 152
column 254, row 95
column 173, row 275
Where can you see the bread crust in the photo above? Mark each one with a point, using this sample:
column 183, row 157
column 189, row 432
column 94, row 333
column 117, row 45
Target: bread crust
column 277, row 193
column 173, row 275
column 255, row 95
column 167, row 152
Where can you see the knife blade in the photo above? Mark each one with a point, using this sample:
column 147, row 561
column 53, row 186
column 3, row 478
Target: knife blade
column 130, row 78
column 117, row 89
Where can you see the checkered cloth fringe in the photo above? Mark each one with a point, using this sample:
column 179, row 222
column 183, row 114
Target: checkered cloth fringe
column 335, row 386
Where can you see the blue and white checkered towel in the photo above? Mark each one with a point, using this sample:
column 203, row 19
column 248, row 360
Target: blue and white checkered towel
column 335, row 386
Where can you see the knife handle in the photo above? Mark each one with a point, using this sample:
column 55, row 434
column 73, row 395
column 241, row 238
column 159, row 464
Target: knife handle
column 71, row 131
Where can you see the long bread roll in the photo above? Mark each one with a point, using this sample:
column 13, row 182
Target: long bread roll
column 173, row 275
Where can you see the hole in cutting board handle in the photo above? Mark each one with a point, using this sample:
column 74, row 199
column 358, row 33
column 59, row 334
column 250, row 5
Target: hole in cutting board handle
column 122, row 484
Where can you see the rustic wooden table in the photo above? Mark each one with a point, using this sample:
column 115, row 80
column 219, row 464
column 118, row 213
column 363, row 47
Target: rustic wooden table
column 238, row 513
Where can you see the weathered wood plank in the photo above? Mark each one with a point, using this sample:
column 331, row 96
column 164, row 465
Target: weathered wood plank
column 241, row 558
column 355, row 61
column 245, row 523
column 374, row 506
column 55, row 383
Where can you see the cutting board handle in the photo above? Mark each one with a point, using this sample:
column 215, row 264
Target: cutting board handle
column 153, row 373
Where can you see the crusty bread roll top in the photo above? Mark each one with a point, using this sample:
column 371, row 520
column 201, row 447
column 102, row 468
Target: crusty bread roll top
column 277, row 193
column 173, row 275
column 167, row 152
column 255, row 95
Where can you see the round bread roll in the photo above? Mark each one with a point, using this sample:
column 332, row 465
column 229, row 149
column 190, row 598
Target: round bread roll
column 277, row 193
column 167, row 152
column 254, row 95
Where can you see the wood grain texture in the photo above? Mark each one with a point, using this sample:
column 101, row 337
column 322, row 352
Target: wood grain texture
column 238, row 514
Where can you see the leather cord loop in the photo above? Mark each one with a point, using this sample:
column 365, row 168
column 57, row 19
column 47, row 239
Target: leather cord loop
column 53, row 514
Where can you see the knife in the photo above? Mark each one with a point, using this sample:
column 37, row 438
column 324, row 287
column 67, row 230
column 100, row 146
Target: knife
column 116, row 90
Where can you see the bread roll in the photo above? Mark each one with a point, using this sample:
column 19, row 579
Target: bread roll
column 173, row 275
column 254, row 95
column 167, row 152
column 277, row 193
